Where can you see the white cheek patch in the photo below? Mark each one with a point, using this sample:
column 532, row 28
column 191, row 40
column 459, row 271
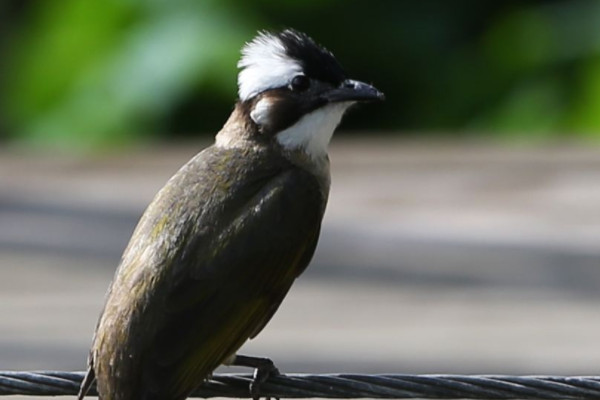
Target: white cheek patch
column 313, row 131
column 260, row 112
column 265, row 65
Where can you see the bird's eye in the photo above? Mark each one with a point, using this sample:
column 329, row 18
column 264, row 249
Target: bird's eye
column 300, row 83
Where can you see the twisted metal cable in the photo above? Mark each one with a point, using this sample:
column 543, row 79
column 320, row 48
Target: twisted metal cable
column 54, row 383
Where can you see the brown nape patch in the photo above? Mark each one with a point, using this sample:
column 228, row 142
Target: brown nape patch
column 239, row 125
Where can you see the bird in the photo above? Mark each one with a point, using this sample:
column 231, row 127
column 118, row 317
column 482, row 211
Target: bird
column 220, row 245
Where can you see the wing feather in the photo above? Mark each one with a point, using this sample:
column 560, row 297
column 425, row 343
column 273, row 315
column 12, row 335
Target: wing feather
column 206, row 268
column 231, row 295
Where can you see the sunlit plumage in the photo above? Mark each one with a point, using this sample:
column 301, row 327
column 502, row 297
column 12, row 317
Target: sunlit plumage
column 219, row 247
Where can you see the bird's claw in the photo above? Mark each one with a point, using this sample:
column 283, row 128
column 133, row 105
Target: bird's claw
column 260, row 376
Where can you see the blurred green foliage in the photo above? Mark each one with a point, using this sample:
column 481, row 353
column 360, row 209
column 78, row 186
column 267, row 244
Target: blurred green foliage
column 91, row 74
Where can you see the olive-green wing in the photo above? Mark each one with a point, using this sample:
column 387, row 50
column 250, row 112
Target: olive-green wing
column 231, row 282
column 312, row 240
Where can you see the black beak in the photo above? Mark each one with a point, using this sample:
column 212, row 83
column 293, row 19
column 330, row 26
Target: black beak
column 351, row 90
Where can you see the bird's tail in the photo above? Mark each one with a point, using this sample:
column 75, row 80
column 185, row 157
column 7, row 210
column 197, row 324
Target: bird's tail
column 87, row 383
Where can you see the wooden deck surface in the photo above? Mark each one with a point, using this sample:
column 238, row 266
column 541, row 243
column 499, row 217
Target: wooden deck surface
column 434, row 258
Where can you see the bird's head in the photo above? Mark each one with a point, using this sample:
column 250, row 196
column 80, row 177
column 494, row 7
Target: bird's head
column 295, row 91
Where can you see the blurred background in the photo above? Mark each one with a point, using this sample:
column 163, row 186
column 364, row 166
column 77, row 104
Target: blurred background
column 80, row 74
column 463, row 229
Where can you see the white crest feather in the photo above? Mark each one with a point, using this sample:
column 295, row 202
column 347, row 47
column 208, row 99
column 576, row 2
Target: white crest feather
column 265, row 65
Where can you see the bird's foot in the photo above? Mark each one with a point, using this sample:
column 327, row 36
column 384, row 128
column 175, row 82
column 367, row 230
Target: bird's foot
column 264, row 368
column 261, row 375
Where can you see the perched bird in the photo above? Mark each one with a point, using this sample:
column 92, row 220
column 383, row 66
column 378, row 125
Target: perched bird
column 218, row 248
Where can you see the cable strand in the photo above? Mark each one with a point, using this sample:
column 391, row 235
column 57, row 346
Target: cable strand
column 387, row 386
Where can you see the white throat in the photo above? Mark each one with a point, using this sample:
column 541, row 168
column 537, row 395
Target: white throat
column 313, row 131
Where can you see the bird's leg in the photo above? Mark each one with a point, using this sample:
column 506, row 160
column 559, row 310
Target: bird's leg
column 263, row 369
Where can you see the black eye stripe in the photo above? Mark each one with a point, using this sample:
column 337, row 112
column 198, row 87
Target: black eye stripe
column 300, row 83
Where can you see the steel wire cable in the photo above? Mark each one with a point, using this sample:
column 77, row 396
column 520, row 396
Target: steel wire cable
column 387, row 386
